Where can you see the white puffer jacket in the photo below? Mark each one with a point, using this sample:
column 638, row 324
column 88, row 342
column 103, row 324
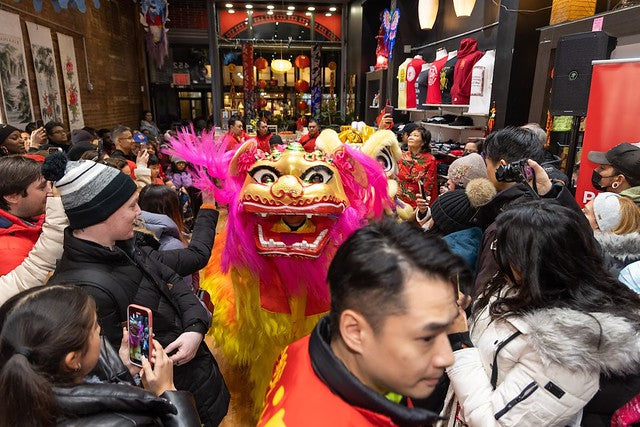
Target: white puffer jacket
column 546, row 373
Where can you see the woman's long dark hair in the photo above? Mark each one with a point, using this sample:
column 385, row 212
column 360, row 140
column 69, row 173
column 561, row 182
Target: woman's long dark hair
column 38, row 328
column 160, row 199
column 557, row 263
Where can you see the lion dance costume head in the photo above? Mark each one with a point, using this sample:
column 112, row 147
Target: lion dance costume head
column 289, row 211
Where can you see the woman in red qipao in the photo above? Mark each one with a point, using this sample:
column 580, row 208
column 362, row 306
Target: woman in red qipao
column 417, row 165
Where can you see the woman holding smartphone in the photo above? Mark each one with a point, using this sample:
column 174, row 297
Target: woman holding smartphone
column 417, row 168
column 50, row 353
column 543, row 331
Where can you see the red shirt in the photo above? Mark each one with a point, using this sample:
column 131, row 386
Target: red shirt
column 308, row 142
column 411, row 169
column 233, row 141
column 434, row 96
column 263, row 142
column 297, row 397
column 413, row 70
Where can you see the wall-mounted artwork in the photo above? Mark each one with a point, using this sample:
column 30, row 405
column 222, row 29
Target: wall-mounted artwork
column 44, row 63
column 71, row 84
column 16, row 106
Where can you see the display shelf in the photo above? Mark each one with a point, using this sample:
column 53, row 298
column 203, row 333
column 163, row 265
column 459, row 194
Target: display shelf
column 461, row 107
column 441, row 125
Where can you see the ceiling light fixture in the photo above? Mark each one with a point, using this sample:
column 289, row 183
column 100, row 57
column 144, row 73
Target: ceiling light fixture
column 270, row 7
column 249, row 6
column 231, row 11
column 308, row 13
column 291, row 7
column 463, row 7
column 427, row 13
column 269, row 12
column 311, row 8
column 289, row 13
column 333, row 9
column 229, row 5
column 327, row 14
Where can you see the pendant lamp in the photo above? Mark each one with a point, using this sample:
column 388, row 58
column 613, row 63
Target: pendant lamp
column 281, row 65
column 427, row 13
column 463, row 7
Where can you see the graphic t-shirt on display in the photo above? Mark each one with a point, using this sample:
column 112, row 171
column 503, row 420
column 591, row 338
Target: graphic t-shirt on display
column 434, row 94
column 481, row 83
column 402, row 84
column 446, row 77
column 421, row 87
column 413, row 70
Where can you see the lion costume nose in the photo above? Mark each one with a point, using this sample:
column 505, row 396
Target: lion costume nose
column 287, row 185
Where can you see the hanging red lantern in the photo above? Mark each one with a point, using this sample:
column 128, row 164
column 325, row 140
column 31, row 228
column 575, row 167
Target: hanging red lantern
column 273, row 82
column 301, row 86
column 302, row 106
column 262, row 84
column 302, row 61
column 302, row 121
column 260, row 64
column 262, row 103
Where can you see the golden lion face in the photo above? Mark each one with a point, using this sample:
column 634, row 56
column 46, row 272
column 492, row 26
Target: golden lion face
column 296, row 197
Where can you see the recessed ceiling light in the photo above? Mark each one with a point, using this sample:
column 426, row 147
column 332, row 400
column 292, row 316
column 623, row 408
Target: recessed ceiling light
column 291, row 7
column 229, row 5
column 311, row 8
column 249, row 6
column 270, row 12
column 333, row 9
column 270, row 7
column 289, row 13
column 308, row 13
column 327, row 14
column 231, row 11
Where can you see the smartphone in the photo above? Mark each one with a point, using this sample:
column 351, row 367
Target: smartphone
column 527, row 172
column 388, row 109
column 140, row 327
column 52, row 150
column 39, row 123
column 422, row 193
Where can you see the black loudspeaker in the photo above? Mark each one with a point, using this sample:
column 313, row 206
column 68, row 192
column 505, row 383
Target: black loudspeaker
column 572, row 71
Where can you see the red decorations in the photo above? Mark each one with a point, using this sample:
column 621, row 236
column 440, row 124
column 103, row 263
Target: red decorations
column 273, row 82
column 262, row 84
column 332, row 66
column 262, row 103
column 260, row 64
column 301, row 86
column 302, row 106
column 302, row 61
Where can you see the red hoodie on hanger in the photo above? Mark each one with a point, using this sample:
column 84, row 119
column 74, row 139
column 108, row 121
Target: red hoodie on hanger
column 468, row 55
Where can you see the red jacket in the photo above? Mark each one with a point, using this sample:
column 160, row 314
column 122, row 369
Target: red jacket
column 298, row 397
column 232, row 141
column 263, row 142
column 468, row 55
column 17, row 238
column 308, row 142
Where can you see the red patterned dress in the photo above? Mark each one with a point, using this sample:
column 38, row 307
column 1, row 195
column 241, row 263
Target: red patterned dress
column 413, row 168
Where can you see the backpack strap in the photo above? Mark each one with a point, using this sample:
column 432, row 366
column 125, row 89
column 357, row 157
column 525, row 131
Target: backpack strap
column 494, row 367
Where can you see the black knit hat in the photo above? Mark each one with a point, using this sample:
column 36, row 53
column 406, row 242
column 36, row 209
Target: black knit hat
column 456, row 210
column 5, row 131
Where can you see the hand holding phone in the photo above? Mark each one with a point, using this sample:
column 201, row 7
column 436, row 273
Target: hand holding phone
column 159, row 377
column 388, row 109
column 422, row 192
column 140, row 327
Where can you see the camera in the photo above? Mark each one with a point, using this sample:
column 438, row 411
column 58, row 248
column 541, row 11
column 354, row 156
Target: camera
column 518, row 171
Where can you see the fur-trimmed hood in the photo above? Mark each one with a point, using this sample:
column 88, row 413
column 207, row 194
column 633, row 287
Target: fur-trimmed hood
column 588, row 342
column 623, row 247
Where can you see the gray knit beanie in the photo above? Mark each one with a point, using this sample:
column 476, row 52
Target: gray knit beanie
column 90, row 191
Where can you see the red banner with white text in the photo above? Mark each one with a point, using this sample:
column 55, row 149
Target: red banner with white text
column 612, row 116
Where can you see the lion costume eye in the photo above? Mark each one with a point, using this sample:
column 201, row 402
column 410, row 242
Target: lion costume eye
column 317, row 175
column 264, row 174
column 385, row 160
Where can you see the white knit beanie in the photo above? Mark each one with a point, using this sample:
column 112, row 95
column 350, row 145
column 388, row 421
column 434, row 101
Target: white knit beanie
column 606, row 209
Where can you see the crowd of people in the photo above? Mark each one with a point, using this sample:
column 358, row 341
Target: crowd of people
column 502, row 303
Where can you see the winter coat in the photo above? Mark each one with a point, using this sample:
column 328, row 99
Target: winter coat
column 630, row 276
column 504, row 200
column 467, row 244
column 17, row 238
column 632, row 193
column 164, row 228
column 89, row 405
column 42, row 259
column 139, row 278
column 619, row 250
column 312, row 387
column 181, row 179
column 546, row 366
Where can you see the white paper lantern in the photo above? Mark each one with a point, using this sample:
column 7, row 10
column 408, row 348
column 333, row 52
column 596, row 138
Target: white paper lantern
column 427, row 13
column 463, row 7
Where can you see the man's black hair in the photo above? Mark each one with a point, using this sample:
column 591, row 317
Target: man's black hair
column 233, row 119
column 512, row 144
column 369, row 270
column 48, row 128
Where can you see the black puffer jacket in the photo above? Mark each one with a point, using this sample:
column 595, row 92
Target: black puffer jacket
column 127, row 275
column 123, row 405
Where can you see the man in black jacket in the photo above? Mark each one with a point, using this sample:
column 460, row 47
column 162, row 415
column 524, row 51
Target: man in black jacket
column 100, row 255
column 501, row 149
